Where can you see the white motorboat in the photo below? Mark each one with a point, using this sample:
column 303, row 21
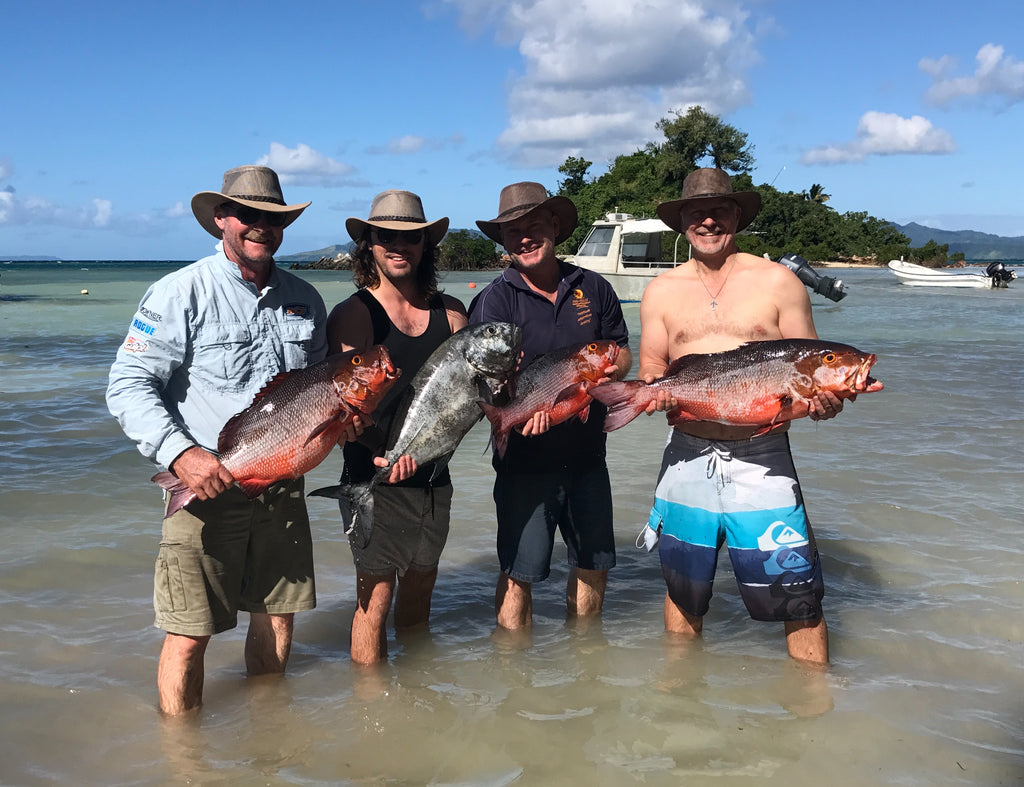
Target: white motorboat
column 996, row 275
column 629, row 252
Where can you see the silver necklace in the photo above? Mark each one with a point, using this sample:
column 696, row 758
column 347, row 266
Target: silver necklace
column 714, row 297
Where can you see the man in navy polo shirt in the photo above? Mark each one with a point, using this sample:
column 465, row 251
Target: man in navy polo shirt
column 550, row 477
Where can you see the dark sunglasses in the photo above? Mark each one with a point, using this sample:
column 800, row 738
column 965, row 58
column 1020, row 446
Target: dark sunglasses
column 383, row 236
column 252, row 216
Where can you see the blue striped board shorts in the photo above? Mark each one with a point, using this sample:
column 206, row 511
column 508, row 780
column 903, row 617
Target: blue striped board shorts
column 743, row 493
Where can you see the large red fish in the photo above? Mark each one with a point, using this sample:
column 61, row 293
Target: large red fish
column 757, row 384
column 295, row 421
column 558, row 382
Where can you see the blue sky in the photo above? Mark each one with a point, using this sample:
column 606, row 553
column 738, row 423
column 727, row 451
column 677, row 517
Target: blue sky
column 115, row 113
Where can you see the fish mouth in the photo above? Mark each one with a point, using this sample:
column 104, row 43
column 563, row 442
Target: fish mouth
column 859, row 380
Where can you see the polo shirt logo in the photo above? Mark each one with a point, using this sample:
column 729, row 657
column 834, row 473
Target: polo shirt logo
column 584, row 314
column 296, row 310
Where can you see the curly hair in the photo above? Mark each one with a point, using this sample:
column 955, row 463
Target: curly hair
column 365, row 273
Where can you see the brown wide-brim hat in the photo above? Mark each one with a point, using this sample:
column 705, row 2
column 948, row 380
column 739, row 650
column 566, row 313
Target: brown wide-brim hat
column 255, row 187
column 521, row 198
column 706, row 184
column 397, row 210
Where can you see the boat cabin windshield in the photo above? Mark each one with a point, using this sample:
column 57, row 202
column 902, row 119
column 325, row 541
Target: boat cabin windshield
column 597, row 243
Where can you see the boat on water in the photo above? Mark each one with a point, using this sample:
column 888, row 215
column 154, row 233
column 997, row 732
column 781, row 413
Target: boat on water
column 996, row 276
column 629, row 252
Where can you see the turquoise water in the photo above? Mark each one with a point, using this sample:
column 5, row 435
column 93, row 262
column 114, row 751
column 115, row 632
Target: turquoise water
column 915, row 496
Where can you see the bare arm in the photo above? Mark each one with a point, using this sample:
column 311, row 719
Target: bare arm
column 349, row 327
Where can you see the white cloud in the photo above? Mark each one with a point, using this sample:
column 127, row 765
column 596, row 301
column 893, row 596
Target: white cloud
column 104, row 210
column 885, row 134
column 411, row 143
column 598, row 74
column 997, row 74
column 177, row 210
column 305, row 166
column 6, row 168
column 37, row 210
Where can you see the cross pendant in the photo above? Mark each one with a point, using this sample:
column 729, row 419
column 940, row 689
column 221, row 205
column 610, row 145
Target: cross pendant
column 714, row 303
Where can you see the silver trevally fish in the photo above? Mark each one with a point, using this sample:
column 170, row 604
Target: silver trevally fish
column 439, row 407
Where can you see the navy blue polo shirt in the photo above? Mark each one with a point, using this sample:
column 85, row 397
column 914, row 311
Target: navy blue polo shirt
column 585, row 308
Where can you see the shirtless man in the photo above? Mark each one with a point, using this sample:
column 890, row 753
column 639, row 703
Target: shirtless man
column 718, row 482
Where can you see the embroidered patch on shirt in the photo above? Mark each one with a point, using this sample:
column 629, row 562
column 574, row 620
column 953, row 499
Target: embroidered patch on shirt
column 143, row 327
column 133, row 345
column 584, row 314
column 296, row 310
column 150, row 315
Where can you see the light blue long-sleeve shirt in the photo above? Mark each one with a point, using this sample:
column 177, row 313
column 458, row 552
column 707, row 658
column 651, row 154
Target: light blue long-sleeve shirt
column 201, row 346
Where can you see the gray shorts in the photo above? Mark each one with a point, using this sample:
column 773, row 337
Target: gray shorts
column 232, row 553
column 410, row 528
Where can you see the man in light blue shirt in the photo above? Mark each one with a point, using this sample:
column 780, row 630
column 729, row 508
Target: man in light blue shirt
column 203, row 342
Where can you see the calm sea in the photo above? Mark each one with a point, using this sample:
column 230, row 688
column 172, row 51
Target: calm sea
column 914, row 493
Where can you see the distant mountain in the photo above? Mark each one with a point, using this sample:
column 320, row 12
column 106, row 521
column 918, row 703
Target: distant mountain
column 313, row 256
column 974, row 245
column 346, row 248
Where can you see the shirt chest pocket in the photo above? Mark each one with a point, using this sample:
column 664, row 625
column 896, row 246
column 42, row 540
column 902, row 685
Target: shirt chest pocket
column 223, row 357
column 297, row 342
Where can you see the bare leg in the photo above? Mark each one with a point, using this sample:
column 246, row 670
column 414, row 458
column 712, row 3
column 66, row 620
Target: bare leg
column 584, row 592
column 412, row 601
column 268, row 643
column 807, row 640
column 369, row 640
column 179, row 677
column 678, row 621
column 513, row 602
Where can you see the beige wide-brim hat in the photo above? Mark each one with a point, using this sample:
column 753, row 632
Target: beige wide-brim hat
column 255, row 187
column 397, row 210
column 519, row 199
column 706, row 184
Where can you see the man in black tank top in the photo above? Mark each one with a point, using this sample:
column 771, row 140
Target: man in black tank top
column 397, row 305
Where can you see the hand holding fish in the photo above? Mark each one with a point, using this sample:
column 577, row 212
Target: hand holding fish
column 403, row 468
column 538, row 423
column 825, row 405
column 202, row 472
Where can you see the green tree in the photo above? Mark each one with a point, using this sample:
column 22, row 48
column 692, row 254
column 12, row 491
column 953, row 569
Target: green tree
column 575, row 171
column 465, row 251
column 698, row 135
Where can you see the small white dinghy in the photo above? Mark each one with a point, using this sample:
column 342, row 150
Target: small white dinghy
column 996, row 275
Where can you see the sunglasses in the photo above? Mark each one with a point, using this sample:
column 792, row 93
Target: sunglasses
column 252, row 216
column 384, row 236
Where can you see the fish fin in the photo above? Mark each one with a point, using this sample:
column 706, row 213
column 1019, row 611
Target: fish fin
column 499, row 433
column 180, row 492
column 569, row 392
column 620, row 399
column 342, row 414
column 356, row 502
column 584, row 414
column 254, row 487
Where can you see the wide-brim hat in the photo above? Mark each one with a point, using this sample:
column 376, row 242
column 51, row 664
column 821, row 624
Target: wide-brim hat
column 253, row 186
column 397, row 210
column 706, row 184
column 521, row 198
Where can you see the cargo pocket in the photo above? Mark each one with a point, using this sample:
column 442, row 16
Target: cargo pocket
column 169, row 588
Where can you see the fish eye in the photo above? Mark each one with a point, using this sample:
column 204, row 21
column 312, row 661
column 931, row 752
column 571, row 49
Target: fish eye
column 592, row 347
column 357, row 360
column 829, row 358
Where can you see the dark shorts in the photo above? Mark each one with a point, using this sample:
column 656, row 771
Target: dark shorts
column 531, row 506
column 232, row 553
column 745, row 494
column 410, row 529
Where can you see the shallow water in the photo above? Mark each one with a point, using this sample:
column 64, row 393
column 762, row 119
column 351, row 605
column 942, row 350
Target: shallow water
column 913, row 492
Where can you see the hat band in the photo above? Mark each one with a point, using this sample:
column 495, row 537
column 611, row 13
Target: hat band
column 413, row 219
column 526, row 208
column 255, row 198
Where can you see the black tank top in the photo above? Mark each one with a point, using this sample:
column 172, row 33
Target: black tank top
column 408, row 353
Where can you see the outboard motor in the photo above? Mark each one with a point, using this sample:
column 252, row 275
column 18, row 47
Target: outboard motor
column 823, row 285
column 1001, row 275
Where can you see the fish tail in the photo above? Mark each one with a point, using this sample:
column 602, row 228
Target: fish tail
column 180, row 493
column 622, row 401
column 356, row 503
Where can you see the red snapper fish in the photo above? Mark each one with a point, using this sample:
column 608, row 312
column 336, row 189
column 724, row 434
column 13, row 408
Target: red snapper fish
column 757, row 384
column 294, row 421
column 559, row 382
